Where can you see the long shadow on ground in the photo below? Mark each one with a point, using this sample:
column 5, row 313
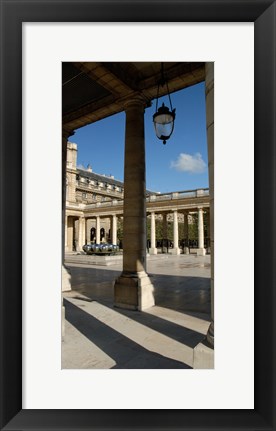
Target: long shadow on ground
column 172, row 330
column 126, row 353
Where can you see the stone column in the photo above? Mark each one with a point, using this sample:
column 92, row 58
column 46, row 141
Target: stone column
column 98, row 229
column 70, row 233
column 201, row 250
column 65, row 136
column 209, row 89
column 84, row 231
column 153, row 249
column 204, row 352
column 208, row 231
column 114, row 229
column 165, row 233
column 175, row 249
column 186, row 234
column 65, row 234
column 133, row 289
column 66, row 276
column 81, row 233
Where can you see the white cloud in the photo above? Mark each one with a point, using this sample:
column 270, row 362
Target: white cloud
column 189, row 163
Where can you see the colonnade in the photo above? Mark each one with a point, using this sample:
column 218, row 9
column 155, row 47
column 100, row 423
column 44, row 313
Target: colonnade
column 81, row 235
column 76, row 238
column 176, row 249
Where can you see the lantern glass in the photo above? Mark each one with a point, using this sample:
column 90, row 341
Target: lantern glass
column 163, row 124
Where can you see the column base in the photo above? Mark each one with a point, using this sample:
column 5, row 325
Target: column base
column 175, row 251
column 153, row 250
column 201, row 252
column 66, row 280
column 203, row 356
column 134, row 291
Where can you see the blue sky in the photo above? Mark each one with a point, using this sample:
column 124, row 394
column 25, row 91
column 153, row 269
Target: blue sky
column 181, row 164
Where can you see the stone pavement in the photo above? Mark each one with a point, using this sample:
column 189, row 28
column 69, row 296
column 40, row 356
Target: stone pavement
column 99, row 336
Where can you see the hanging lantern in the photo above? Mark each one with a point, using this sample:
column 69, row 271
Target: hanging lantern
column 164, row 123
column 163, row 118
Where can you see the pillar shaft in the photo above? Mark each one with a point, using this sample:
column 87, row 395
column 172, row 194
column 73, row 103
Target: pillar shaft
column 209, row 91
column 70, row 233
column 65, row 233
column 84, row 231
column 114, row 229
column 98, row 229
column 186, row 249
column 165, row 233
column 66, row 278
column 81, row 233
column 200, row 229
column 152, row 230
column 175, row 233
column 201, row 250
column 153, row 249
column 175, row 229
column 65, row 136
column 134, row 259
column 133, row 289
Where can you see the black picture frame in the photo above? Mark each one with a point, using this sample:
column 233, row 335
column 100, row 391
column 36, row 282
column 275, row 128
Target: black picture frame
column 13, row 14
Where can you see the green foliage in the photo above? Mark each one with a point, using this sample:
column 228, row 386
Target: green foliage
column 159, row 229
column 192, row 228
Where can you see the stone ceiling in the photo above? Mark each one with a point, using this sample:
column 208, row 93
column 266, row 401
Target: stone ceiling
column 93, row 91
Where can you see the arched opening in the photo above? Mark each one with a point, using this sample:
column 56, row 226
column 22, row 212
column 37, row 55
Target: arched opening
column 92, row 234
column 102, row 233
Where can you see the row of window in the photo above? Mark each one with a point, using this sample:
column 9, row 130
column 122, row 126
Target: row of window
column 86, row 196
column 98, row 183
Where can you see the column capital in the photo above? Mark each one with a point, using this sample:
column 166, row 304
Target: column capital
column 137, row 100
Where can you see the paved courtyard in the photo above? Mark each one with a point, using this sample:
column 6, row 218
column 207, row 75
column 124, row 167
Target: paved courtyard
column 99, row 336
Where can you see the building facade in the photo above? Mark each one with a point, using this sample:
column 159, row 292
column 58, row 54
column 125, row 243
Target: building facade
column 94, row 213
